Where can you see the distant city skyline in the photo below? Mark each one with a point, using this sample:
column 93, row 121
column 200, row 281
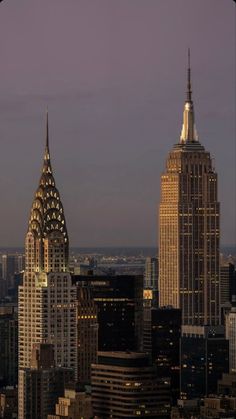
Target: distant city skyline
column 113, row 75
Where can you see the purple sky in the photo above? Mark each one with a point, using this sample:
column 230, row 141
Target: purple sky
column 113, row 74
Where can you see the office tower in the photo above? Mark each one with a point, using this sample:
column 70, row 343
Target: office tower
column 8, row 345
column 43, row 382
column 230, row 323
column 125, row 385
column 151, row 279
column 189, row 228
column 204, row 354
column 20, row 263
column 87, row 333
column 9, row 268
column 162, row 331
column 119, row 301
column 47, row 298
column 73, row 405
column 226, row 279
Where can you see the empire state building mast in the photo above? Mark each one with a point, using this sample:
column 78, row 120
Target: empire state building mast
column 189, row 227
column 189, row 132
column 47, row 312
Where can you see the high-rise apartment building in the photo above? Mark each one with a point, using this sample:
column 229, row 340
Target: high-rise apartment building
column 47, row 298
column 189, row 228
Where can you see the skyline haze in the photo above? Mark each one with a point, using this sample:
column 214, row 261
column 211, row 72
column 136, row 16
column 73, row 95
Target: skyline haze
column 113, row 75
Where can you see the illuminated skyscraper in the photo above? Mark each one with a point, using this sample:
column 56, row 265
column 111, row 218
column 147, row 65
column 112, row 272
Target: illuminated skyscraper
column 47, row 311
column 189, row 227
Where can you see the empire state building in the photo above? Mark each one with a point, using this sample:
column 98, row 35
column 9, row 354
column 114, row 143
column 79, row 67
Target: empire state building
column 189, row 227
column 47, row 309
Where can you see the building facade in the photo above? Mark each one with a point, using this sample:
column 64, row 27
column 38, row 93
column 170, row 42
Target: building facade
column 161, row 339
column 8, row 345
column 74, row 405
column 204, row 357
column 119, row 302
column 125, row 385
column 87, row 333
column 47, row 298
column 151, row 279
column 43, row 382
column 189, row 228
column 226, row 283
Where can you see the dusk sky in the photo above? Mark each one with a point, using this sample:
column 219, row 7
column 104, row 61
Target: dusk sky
column 113, row 75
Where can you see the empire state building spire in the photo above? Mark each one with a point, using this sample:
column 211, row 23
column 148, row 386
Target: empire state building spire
column 188, row 133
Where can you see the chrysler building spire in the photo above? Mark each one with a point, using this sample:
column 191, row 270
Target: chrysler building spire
column 188, row 133
column 47, row 217
column 47, row 168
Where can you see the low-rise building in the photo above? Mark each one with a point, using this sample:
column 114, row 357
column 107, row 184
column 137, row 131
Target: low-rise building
column 74, row 405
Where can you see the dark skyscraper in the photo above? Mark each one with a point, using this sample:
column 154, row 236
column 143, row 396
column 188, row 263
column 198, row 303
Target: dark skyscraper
column 87, row 333
column 204, row 358
column 189, row 228
column 162, row 331
column 119, row 309
column 8, row 345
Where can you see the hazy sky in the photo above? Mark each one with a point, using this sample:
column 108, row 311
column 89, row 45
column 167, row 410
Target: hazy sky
column 113, row 75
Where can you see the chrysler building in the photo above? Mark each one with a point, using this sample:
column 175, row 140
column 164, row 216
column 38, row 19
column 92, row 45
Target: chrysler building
column 47, row 312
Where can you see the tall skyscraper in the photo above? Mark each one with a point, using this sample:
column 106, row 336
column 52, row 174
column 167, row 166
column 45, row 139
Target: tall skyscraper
column 161, row 335
column 47, row 298
column 189, row 227
column 119, row 301
column 87, row 333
